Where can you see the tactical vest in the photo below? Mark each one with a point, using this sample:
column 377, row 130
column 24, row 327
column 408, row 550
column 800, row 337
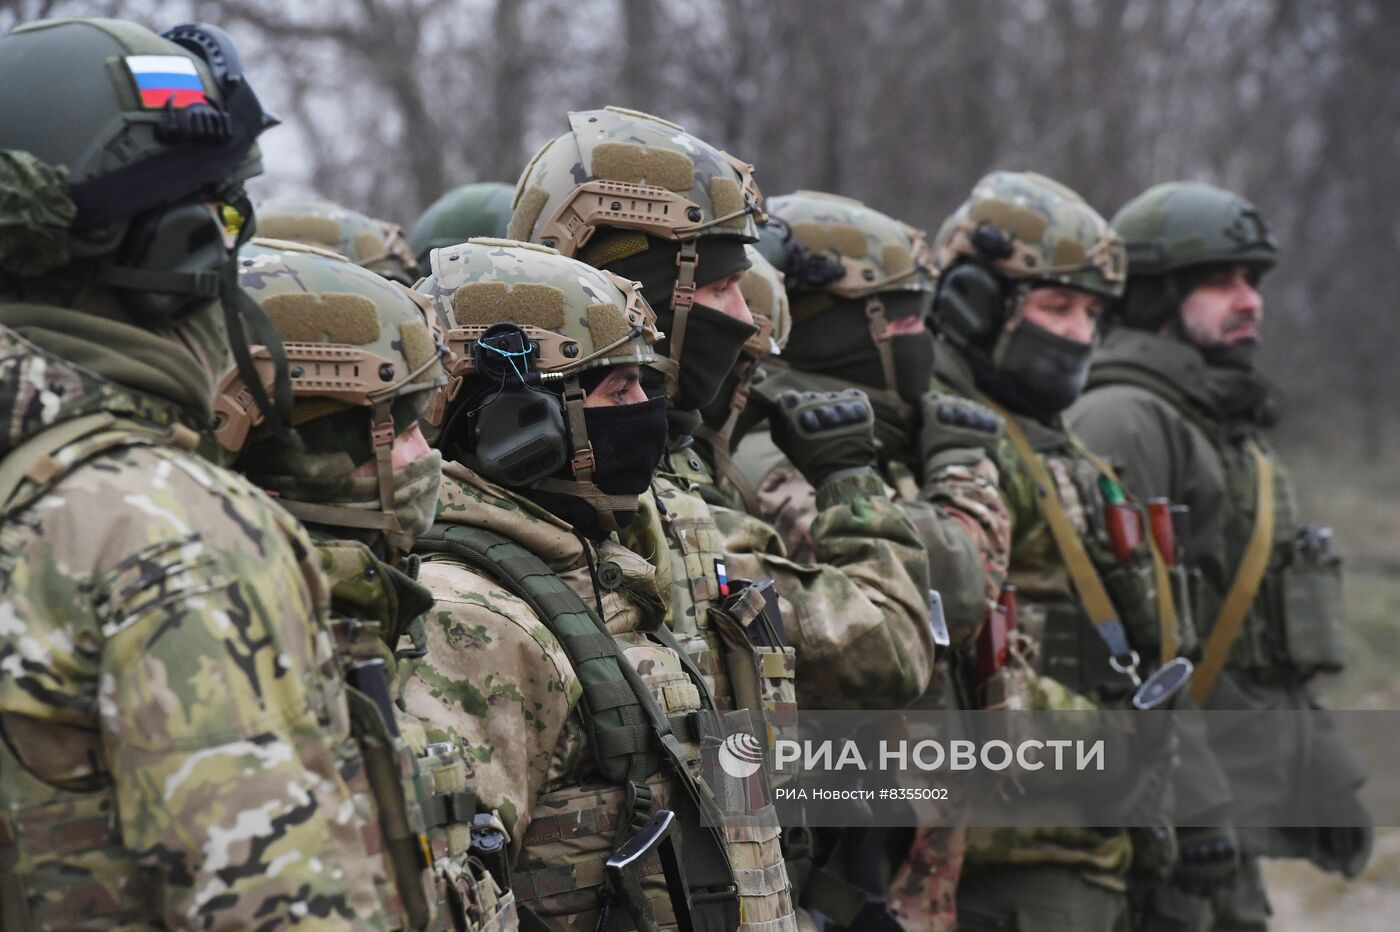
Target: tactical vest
column 42, row 845
column 646, row 731
column 428, row 783
column 1295, row 623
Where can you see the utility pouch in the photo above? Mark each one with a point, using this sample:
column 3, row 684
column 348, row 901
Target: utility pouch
column 1134, row 594
column 1186, row 593
column 762, row 667
column 1310, row 606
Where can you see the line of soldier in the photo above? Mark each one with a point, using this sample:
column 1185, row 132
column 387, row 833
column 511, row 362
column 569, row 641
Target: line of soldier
column 355, row 580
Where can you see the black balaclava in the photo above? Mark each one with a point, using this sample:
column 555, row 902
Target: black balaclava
column 713, row 339
column 1039, row 373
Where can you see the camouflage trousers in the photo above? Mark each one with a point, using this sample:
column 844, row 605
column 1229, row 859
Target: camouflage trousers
column 924, row 890
column 1038, row 898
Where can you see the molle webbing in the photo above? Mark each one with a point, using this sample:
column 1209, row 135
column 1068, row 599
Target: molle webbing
column 629, row 734
column 1245, row 586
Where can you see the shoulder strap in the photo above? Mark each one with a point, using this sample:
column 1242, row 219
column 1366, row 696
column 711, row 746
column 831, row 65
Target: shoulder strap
column 626, row 727
column 1245, row 586
column 38, row 458
column 1161, row 580
column 1087, row 583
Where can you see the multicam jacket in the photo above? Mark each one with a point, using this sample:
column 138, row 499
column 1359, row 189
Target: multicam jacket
column 497, row 684
column 177, row 744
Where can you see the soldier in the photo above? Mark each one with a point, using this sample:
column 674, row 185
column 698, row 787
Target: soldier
column 178, row 745
column 365, row 357
column 481, row 209
column 860, row 284
column 857, row 620
column 1025, row 268
column 1175, row 397
column 589, row 715
column 378, row 245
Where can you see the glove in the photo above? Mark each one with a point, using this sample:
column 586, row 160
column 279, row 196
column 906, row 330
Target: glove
column 822, row 433
column 1345, row 851
column 1209, row 859
column 956, row 431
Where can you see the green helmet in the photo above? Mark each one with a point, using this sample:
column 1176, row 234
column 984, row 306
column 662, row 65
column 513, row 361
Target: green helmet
column 638, row 194
column 481, row 209
column 529, row 330
column 374, row 244
column 1018, row 230
column 1176, row 233
column 365, row 355
column 113, row 141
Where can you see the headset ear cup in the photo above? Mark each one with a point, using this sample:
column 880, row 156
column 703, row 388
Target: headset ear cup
column 184, row 240
column 970, row 302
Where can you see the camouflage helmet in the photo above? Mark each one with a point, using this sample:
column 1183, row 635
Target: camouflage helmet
column 151, row 128
column 765, row 293
column 839, row 246
column 481, row 209
column 353, row 341
column 374, row 244
column 522, row 315
column 1027, row 227
column 1176, row 234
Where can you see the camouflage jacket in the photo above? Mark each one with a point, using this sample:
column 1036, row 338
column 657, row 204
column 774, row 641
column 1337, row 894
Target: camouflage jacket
column 858, row 618
column 497, row 684
column 177, row 744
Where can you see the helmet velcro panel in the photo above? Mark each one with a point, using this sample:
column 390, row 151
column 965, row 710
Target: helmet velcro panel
column 896, row 259
column 367, row 245
column 758, row 293
column 727, row 197
column 847, row 240
column 304, row 229
column 526, row 304
column 635, row 164
column 527, row 213
column 418, row 348
column 607, row 324
column 1068, row 252
column 1018, row 221
column 602, row 251
column 327, row 318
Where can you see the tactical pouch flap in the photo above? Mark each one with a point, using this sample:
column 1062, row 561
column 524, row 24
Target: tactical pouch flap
column 1312, row 614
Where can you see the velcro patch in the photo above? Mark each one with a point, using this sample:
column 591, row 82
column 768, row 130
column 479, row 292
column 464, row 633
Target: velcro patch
column 368, row 245
column 1068, row 253
column 631, row 163
column 320, row 230
column 527, row 213
column 417, row 349
column 896, row 259
column 527, row 304
column 1025, row 224
column 727, row 197
column 332, row 317
column 847, row 240
column 757, row 292
column 607, row 323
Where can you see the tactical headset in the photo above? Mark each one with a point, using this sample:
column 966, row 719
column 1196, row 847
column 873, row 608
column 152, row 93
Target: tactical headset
column 972, row 303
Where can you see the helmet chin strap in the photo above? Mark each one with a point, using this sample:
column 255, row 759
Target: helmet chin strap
column 583, row 464
column 682, row 300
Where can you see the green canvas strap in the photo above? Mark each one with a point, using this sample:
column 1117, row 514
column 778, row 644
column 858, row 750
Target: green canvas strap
column 1245, row 586
column 629, row 733
column 1083, row 574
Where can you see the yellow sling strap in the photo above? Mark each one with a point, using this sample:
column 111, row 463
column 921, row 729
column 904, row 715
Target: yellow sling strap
column 1081, row 569
column 1161, row 579
column 1245, row 586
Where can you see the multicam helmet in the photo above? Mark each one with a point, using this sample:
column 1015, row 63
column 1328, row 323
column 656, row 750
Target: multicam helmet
column 374, row 244
column 522, row 316
column 765, row 293
column 1174, row 233
column 1016, row 231
column 352, row 341
column 481, row 209
column 636, row 176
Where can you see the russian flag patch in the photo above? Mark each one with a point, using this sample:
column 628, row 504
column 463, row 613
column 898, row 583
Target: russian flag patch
column 165, row 80
column 722, row 574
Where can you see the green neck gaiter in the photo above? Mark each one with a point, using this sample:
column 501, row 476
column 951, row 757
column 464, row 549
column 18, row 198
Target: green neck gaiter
column 178, row 364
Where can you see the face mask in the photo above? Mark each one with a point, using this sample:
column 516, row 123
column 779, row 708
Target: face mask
column 415, row 496
column 913, row 364
column 712, row 344
column 1040, row 373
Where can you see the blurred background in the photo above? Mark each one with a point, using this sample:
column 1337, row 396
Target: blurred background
column 904, row 104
